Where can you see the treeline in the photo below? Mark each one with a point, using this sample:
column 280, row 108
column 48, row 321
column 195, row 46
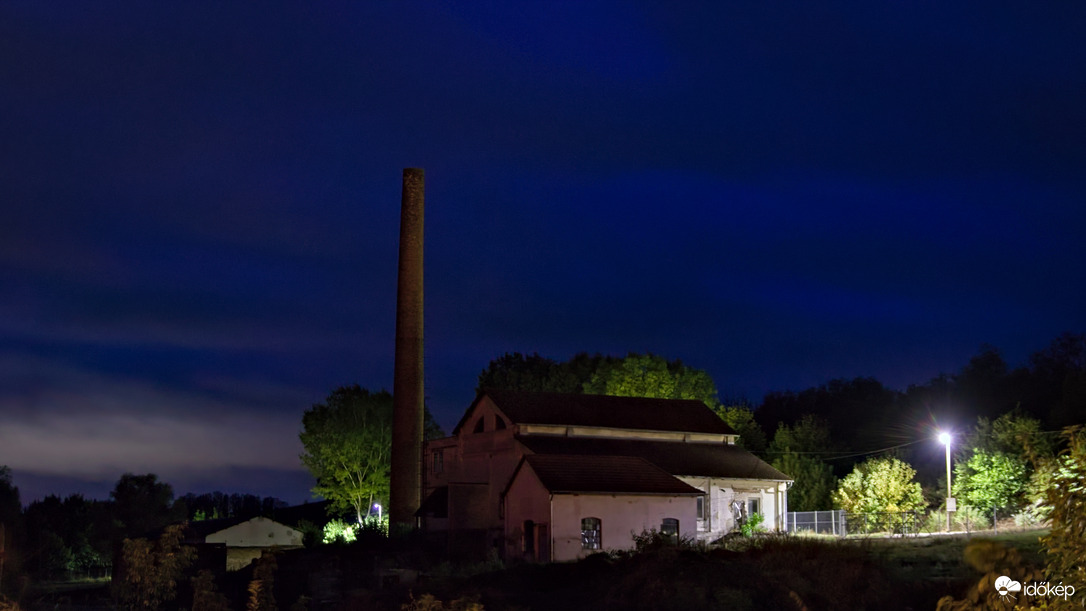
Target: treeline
column 58, row 538
column 821, row 435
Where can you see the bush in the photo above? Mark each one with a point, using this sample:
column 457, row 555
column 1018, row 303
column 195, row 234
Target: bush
column 965, row 519
column 652, row 540
column 752, row 525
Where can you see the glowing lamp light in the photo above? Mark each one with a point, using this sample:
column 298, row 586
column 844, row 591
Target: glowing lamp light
column 944, row 438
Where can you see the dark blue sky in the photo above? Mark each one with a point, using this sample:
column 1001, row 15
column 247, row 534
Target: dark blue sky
column 200, row 206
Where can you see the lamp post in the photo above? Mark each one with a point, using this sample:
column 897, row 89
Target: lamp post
column 377, row 506
column 945, row 438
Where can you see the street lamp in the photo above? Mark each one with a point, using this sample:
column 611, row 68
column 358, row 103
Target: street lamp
column 377, row 506
column 945, row 438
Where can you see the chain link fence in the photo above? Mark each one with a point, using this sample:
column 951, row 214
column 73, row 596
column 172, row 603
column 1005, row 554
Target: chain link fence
column 838, row 522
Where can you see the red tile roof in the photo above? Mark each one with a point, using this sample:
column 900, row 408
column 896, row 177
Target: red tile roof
column 674, row 457
column 604, row 474
column 675, row 415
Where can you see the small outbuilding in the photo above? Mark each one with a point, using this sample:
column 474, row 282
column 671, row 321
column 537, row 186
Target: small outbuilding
column 244, row 539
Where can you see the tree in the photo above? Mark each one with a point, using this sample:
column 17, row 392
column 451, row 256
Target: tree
column 10, row 520
column 205, row 596
column 348, row 448
column 741, row 419
column 649, row 375
column 1066, row 541
column 262, row 586
column 990, row 480
column 142, row 504
column 879, row 485
column 151, row 570
column 794, row 452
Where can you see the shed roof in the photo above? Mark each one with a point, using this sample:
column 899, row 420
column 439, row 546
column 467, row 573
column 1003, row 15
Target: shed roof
column 604, row 474
column 674, row 457
column 676, row 415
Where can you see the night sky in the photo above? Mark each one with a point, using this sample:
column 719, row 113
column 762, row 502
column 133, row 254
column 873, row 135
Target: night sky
column 200, row 206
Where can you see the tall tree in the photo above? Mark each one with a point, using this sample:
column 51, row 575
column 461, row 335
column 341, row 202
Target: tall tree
column 741, row 418
column 10, row 522
column 649, row 375
column 1059, row 380
column 348, row 445
column 142, row 504
column 796, row 451
column 348, row 448
column 990, row 480
column 535, row 373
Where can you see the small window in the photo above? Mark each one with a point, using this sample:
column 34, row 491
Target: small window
column 701, row 507
column 438, row 457
column 590, row 533
column 669, row 529
column 480, row 426
column 753, row 506
column 499, row 423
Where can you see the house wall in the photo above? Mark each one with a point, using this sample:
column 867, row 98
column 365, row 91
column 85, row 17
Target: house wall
column 487, row 458
column 257, row 532
column 621, row 517
column 526, row 499
column 772, row 499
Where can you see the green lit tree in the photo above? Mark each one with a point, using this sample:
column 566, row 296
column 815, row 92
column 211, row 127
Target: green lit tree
column 883, row 484
column 649, row 375
column 348, row 447
column 990, row 480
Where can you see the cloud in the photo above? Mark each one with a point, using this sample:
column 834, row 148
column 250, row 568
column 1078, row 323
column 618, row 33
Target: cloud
column 62, row 420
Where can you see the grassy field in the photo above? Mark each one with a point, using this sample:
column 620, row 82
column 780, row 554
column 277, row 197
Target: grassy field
column 773, row 573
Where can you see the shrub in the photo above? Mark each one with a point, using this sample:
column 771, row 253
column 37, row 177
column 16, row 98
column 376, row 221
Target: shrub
column 652, row 540
column 966, row 519
column 752, row 525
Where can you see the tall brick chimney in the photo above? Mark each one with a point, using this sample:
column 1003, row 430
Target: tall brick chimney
column 407, row 387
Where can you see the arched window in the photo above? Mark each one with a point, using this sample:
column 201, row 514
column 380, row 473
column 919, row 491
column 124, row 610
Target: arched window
column 669, row 530
column 480, row 426
column 591, row 533
column 499, row 423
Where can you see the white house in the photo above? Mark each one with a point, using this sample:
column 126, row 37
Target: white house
column 244, row 540
column 549, row 476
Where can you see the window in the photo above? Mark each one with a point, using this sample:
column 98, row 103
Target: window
column 590, row 534
column 701, row 508
column 438, row 458
column 480, row 426
column 499, row 423
column 753, row 506
column 669, row 529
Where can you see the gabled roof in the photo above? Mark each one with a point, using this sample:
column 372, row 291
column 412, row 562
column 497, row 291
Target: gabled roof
column 603, row 474
column 198, row 530
column 675, row 415
column 677, row 458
